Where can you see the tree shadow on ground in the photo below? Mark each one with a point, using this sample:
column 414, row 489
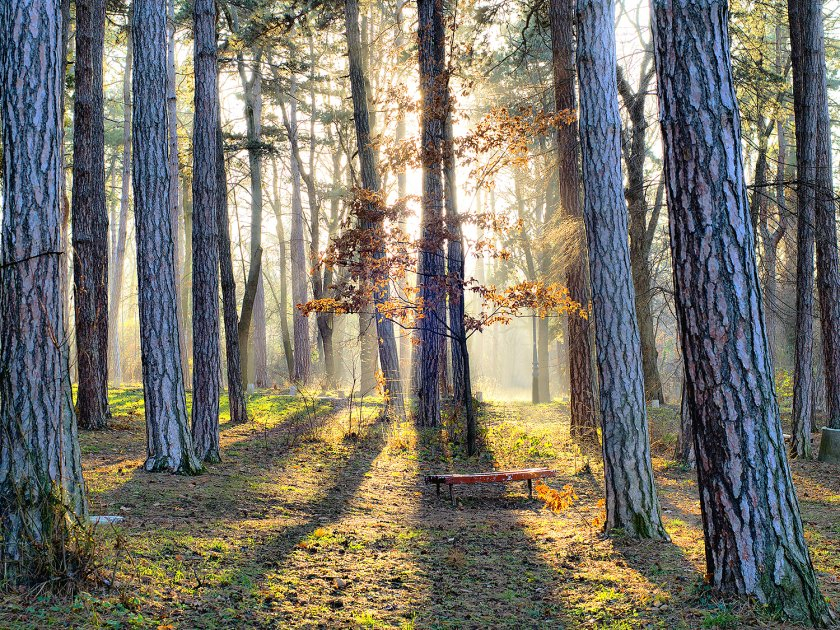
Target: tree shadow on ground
column 251, row 452
column 249, row 583
column 478, row 564
column 204, row 546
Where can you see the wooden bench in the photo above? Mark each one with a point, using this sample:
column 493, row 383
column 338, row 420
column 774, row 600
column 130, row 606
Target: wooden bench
column 497, row 476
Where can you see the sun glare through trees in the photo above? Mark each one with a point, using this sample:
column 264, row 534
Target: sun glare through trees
column 419, row 314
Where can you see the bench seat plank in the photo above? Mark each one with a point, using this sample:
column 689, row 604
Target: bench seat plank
column 499, row 476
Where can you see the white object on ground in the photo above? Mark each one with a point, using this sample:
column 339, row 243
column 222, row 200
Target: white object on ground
column 106, row 520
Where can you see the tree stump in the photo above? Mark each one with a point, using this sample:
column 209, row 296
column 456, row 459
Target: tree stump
column 830, row 446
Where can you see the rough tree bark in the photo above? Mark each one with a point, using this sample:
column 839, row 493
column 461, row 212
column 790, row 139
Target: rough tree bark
column 41, row 485
column 90, row 219
column 117, row 268
column 461, row 377
column 169, row 441
column 581, row 375
column 372, row 221
column 631, row 498
column 205, row 236
column 236, row 393
column 808, row 49
column 430, row 277
column 804, row 106
column 753, row 531
column 368, row 352
column 174, row 184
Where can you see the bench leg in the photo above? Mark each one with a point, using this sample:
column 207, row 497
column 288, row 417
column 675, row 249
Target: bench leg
column 530, row 490
column 451, row 495
column 437, row 485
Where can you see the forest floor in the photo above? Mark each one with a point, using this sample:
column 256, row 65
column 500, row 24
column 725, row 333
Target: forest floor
column 315, row 521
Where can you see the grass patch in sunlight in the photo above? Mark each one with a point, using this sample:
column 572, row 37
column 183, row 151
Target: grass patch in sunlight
column 514, row 447
column 720, row 619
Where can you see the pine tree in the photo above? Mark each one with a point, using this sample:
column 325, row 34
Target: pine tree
column 631, row 498
column 752, row 528
column 90, row 218
column 205, row 237
column 169, row 442
column 41, row 484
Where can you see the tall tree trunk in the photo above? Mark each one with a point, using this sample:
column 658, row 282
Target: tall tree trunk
column 753, row 532
column 284, row 291
column 297, row 246
column 806, row 116
column 810, row 43
column 326, row 321
column 187, row 263
column 543, row 221
column 41, row 484
column 236, row 393
column 543, row 359
column 455, row 268
column 581, row 375
column 631, row 499
column 643, row 287
column 543, row 217
column 117, row 268
column 684, row 451
column 252, row 307
column 170, row 443
column 90, row 219
column 174, row 183
column 368, row 355
column 260, row 342
column 205, row 236
column 771, row 239
column 64, row 273
column 478, row 341
column 531, row 275
column 112, row 200
column 404, row 342
column 373, row 218
column 430, row 278
column 758, row 201
column 323, row 320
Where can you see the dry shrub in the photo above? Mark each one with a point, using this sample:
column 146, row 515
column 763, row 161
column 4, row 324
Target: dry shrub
column 401, row 437
column 555, row 500
column 70, row 559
